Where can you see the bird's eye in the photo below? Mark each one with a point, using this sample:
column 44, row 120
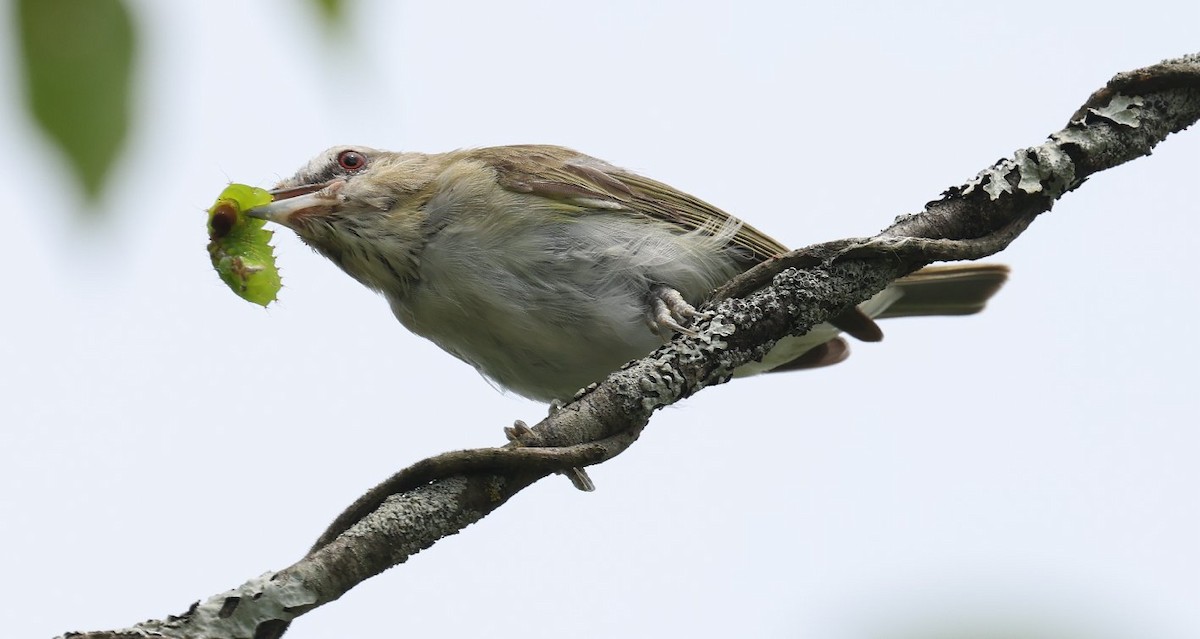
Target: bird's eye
column 351, row 161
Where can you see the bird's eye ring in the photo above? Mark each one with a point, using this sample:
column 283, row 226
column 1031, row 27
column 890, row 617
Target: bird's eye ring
column 351, row 161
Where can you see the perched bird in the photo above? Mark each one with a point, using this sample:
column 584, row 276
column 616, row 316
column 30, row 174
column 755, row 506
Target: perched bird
column 546, row 269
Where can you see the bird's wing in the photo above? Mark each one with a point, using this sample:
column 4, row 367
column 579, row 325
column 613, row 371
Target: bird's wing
column 586, row 183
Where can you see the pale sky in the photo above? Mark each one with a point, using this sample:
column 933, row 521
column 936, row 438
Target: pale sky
column 1033, row 468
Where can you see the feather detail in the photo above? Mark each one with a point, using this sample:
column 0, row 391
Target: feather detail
column 558, row 173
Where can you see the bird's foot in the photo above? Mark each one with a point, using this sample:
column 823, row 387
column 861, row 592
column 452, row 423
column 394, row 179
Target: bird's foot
column 517, row 431
column 578, row 476
column 669, row 312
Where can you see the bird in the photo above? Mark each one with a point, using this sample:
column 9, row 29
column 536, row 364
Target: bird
column 546, row 269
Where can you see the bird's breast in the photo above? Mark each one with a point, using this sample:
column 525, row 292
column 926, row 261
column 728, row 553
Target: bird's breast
column 556, row 306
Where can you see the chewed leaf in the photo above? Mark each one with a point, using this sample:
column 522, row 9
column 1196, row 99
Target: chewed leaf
column 238, row 244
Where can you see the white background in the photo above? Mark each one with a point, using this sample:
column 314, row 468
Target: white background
column 1032, row 469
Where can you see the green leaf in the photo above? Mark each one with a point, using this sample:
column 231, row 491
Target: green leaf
column 333, row 11
column 77, row 59
column 238, row 245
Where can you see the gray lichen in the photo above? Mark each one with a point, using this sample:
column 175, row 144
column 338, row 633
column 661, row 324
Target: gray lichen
column 1122, row 109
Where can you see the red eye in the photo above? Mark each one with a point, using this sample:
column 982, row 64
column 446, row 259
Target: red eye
column 351, row 161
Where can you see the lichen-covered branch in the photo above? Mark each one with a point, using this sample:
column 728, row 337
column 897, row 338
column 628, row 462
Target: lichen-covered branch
column 785, row 296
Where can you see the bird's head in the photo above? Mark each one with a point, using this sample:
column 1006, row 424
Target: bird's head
column 360, row 207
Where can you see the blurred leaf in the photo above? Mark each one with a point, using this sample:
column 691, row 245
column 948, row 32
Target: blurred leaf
column 77, row 62
column 333, row 11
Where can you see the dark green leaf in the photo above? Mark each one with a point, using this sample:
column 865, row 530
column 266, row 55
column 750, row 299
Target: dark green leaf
column 77, row 62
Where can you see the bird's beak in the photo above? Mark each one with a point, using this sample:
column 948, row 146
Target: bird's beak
column 290, row 204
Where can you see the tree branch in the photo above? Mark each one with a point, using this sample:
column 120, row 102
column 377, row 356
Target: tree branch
column 787, row 295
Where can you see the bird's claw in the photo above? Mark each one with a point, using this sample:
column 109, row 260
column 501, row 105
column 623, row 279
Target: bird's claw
column 517, row 431
column 669, row 312
column 578, row 476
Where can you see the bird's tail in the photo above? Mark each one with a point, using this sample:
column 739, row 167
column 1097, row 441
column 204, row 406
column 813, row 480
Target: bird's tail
column 948, row 289
column 951, row 289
